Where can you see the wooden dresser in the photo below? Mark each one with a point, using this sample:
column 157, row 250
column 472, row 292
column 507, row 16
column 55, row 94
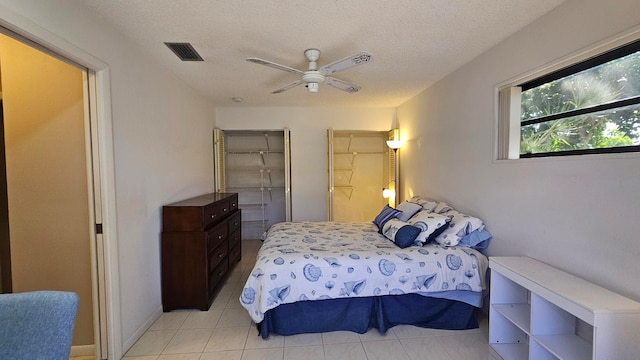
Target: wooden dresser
column 200, row 244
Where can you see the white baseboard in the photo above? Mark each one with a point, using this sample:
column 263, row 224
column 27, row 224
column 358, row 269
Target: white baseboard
column 141, row 330
column 83, row 350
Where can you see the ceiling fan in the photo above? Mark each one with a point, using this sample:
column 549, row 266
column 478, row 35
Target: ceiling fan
column 314, row 76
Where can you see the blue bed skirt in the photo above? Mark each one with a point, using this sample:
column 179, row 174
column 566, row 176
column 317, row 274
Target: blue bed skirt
column 361, row 314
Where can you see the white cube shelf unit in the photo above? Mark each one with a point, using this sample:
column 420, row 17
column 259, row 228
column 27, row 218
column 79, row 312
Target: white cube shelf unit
column 539, row 312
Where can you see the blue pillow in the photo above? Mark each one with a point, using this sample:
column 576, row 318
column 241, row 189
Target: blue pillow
column 401, row 233
column 385, row 215
column 478, row 239
column 406, row 235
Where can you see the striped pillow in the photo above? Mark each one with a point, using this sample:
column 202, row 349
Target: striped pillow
column 385, row 215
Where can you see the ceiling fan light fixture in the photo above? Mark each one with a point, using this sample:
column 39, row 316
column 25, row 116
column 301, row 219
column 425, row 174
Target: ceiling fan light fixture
column 313, row 87
column 312, row 79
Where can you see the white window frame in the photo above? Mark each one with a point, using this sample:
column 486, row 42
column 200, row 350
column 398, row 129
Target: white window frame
column 507, row 99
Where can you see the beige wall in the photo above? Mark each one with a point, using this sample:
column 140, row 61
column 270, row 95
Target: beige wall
column 47, row 176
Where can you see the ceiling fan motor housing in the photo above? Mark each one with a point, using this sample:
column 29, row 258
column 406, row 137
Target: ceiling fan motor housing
column 312, row 78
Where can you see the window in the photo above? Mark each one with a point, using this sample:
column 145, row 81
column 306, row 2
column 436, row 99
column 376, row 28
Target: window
column 590, row 107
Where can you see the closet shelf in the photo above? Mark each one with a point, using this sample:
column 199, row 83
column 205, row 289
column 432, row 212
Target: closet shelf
column 253, row 205
column 254, row 152
column 255, row 221
column 254, row 188
column 347, row 190
column 359, row 152
column 249, row 169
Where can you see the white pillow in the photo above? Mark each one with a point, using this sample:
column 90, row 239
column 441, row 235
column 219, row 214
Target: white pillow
column 426, row 203
column 442, row 207
column 429, row 224
column 460, row 226
column 408, row 210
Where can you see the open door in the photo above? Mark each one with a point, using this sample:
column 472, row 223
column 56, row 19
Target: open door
column 52, row 223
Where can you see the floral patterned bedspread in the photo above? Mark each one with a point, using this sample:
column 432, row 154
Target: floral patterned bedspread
column 301, row 261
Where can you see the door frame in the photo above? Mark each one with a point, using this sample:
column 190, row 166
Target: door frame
column 105, row 277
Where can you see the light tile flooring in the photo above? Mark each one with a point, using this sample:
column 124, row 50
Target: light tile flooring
column 226, row 332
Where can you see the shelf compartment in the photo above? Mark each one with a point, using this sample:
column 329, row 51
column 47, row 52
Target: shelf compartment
column 512, row 351
column 550, row 319
column 505, row 291
column 518, row 314
column 503, row 331
column 565, row 347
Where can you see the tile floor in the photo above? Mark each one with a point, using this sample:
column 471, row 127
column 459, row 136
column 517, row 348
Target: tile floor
column 226, row 332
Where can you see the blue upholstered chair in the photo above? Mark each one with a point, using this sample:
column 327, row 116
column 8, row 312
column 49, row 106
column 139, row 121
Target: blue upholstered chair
column 37, row 325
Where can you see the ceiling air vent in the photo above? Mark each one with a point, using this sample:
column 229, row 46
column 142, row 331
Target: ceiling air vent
column 184, row 51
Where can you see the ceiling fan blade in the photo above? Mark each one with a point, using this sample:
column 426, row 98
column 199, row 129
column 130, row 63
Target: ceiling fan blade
column 346, row 63
column 342, row 85
column 274, row 65
column 285, row 88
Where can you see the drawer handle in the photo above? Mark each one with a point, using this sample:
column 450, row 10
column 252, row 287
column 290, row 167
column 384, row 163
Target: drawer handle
column 224, row 210
column 220, row 273
column 220, row 255
column 219, row 237
column 213, row 216
column 235, row 223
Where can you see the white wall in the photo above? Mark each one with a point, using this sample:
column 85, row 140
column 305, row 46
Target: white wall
column 577, row 213
column 308, row 144
column 162, row 147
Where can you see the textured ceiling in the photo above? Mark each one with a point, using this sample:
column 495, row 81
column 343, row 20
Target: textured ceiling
column 414, row 43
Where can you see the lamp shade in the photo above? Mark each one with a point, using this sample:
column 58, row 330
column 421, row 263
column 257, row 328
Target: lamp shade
column 394, row 142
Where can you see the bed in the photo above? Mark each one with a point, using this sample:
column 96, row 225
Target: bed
column 314, row 277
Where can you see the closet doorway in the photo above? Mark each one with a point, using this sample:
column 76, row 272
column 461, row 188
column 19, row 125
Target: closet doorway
column 48, row 212
column 255, row 164
column 360, row 166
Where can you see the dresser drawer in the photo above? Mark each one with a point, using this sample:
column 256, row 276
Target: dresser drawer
column 234, row 238
column 234, row 222
column 233, row 202
column 218, row 255
column 217, row 274
column 214, row 212
column 235, row 253
column 216, row 236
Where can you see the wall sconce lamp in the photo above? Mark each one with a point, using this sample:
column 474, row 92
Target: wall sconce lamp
column 395, row 143
column 389, row 191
